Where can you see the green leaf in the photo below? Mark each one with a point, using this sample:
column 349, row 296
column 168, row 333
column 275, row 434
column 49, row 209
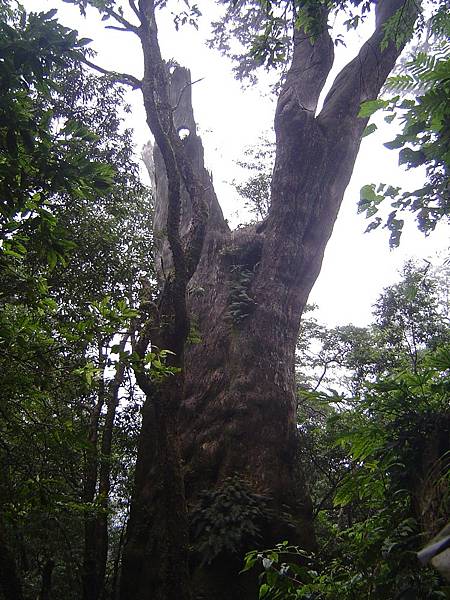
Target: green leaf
column 395, row 144
column 52, row 259
column 50, row 14
column 368, row 194
column 410, row 157
column 369, row 107
column 369, row 129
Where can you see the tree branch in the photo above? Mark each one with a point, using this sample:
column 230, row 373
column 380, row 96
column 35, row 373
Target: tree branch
column 184, row 88
column 311, row 63
column 178, row 167
column 120, row 19
column 160, row 120
column 116, row 28
column 305, row 206
column 134, row 8
column 124, row 78
column 364, row 76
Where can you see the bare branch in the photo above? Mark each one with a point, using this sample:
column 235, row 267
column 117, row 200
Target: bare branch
column 187, row 85
column 134, row 8
column 117, row 28
column 124, row 78
column 364, row 76
column 120, row 19
column 311, row 62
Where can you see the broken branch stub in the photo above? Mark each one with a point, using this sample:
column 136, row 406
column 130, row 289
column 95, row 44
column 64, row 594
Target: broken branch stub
column 183, row 118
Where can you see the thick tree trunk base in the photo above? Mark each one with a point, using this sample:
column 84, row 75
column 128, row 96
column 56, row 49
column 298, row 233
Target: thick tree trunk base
column 237, row 420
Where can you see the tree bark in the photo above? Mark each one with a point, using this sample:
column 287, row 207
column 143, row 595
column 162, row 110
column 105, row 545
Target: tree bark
column 155, row 559
column 244, row 292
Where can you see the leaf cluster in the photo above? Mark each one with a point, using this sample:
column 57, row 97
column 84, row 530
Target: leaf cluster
column 241, row 304
column 75, row 234
column 229, row 519
column 424, row 139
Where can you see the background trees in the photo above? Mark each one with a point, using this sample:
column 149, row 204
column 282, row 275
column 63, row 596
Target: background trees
column 75, row 228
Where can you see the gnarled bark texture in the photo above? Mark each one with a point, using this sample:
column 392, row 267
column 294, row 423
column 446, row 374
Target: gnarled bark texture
column 245, row 293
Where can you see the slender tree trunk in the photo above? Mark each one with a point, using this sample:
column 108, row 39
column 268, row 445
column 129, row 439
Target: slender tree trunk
column 117, row 560
column 91, row 580
column 104, row 480
column 247, row 290
column 98, row 473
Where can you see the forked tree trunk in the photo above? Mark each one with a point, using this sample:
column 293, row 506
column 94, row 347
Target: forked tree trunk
column 237, row 417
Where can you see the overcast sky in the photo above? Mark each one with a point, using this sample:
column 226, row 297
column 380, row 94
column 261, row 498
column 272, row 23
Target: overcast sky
column 356, row 265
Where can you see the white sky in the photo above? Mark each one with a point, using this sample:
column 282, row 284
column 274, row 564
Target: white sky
column 356, row 265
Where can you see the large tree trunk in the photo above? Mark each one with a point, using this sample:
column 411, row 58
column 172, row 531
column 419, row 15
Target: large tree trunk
column 237, row 417
column 428, row 483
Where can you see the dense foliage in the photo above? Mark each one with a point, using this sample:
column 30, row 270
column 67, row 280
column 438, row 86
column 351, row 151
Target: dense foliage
column 421, row 107
column 74, row 231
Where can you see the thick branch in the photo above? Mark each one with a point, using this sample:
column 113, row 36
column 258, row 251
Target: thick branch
column 315, row 155
column 311, row 62
column 160, row 120
column 364, row 76
column 120, row 19
column 134, row 8
column 119, row 77
column 178, row 168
